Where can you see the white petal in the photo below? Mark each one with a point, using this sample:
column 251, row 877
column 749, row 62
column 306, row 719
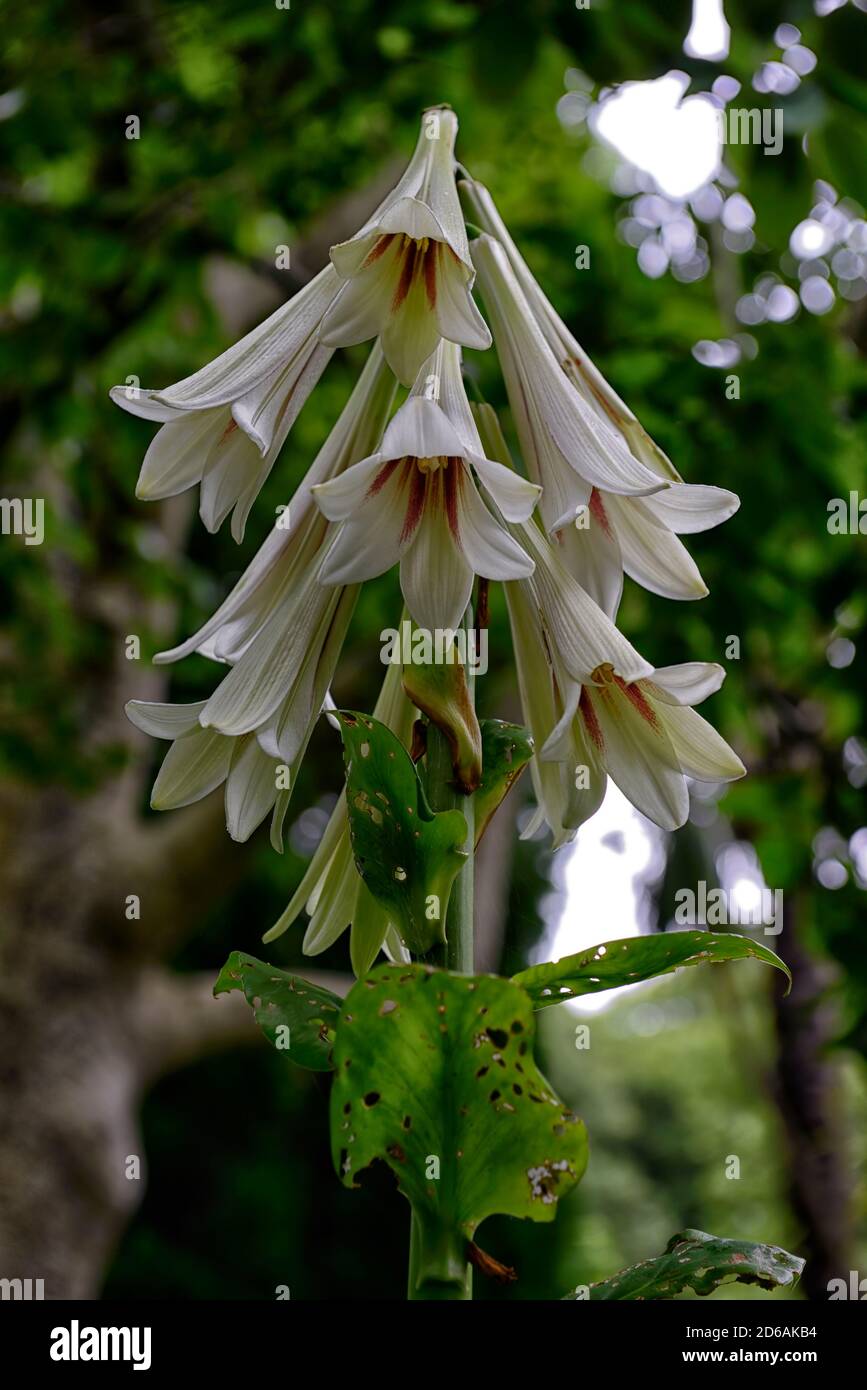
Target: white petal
column 410, row 334
column 278, row 816
column 332, row 912
column 251, row 789
column 340, row 498
column 362, row 306
column 232, row 461
column 591, row 554
column 373, row 540
column 430, row 178
column 286, row 734
column 638, row 756
column 440, row 378
column 550, row 402
column 557, row 747
column 703, row 754
column 412, row 218
column 689, row 507
column 652, row 556
column 269, row 410
column 136, row 400
column 514, row 496
column 457, row 314
column 687, row 684
column 177, row 453
column 581, row 371
column 553, row 782
column 263, row 677
column 583, row 802
column 248, row 495
column 163, row 721
column 348, row 257
column 421, row 429
column 488, row 547
column 594, row 450
column 435, row 578
column 370, row 922
column 336, row 834
column 260, row 353
column 583, row 636
column 195, row 764
column 563, row 494
column 272, row 575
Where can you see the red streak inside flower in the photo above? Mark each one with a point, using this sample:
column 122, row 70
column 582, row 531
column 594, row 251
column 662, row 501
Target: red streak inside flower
column 453, row 479
column 232, row 425
column 591, row 723
column 636, row 697
column 407, row 271
column 382, row 477
column 415, row 504
column 597, row 511
column 379, row 249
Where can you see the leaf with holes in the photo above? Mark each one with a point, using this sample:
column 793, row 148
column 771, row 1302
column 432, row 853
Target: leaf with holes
column 407, row 854
column 435, row 1075
column 298, row 1018
column 616, row 963
column 694, row 1260
column 506, row 750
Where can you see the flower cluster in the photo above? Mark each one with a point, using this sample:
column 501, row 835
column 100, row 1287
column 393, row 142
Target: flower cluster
column 430, row 488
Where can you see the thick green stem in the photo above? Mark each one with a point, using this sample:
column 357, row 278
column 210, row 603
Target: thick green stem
column 456, row 954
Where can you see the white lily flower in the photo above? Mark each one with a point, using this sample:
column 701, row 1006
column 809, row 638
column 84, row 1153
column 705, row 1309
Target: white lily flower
column 200, row 760
column 407, row 273
column 624, row 535
column 646, row 737
column 274, row 577
column 415, row 502
column 579, row 636
column 566, row 445
column 224, row 426
column 558, row 633
column 331, row 891
column 590, row 699
column 255, row 747
column 281, row 632
column 626, row 532
column 557, row 801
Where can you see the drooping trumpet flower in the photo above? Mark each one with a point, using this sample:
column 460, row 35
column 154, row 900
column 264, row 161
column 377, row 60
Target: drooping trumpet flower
column 407, row 273
column 415, row 502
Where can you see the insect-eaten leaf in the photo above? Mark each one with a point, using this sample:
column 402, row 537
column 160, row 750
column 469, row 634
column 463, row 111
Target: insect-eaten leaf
column 298, row 1018
column 435, row 1075
column 616, row 963
column 506, row 750
column 695, row 1260
column 407, row 854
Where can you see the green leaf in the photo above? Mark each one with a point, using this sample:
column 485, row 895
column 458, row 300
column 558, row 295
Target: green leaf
column 695, row 1260
column 506, row 750
column 838, row 152
column 298, row 1018
column 615, row 963
column 435, row 1075
column 407, row 854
